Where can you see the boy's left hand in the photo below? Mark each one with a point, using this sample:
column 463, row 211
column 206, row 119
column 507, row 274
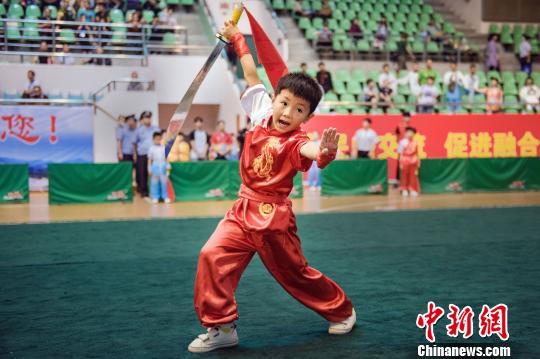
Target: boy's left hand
column 329, row 141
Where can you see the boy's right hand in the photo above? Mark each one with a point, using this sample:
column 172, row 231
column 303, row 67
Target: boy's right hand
column 229, row 29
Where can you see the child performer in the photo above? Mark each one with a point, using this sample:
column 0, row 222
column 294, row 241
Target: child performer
column 409, row 163
column 157, row 170
column 261, row 220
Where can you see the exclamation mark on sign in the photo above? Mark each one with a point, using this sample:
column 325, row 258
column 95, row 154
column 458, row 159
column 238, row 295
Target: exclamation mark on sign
column 52, row 137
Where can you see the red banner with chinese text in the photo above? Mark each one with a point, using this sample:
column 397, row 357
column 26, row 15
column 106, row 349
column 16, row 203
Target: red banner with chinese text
column 442, row 136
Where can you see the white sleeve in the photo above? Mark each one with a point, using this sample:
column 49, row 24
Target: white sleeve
column 257, row 103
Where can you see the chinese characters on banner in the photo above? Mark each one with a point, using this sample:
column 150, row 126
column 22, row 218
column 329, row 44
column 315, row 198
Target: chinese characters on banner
column 39, row 135
column 441, row 136
column 491, row 321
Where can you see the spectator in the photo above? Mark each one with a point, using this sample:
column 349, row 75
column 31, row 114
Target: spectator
column 453, row 75
column 453, row 97
column 141, row 146
column 471, row 83
column 66, row 59
column 45, row 28
column 199, row 141
column 525, row 57
column 355, row 31
column 100, row 61
column 151, row 5
column 168, row 17
column 494, row 96
column 84, row 32
column 411, row 79
column 400, row 134
column 432, row 32
column 221, row 142
column 324, row 37
column 385, row 95
column 381, row 34
column 389, row 77
column 404, row 51
column 365, row 140
column 371, row 94
column 298, row 9
column 156, row 32
column 135, row 28
column 35, row 94
column 530, row 95
column 125, row 138
column 324, row 78
column 66, row 12
column 31, row 75
column 180, row 150
column 314, row 172
column 492, row 53
column 409, row 162
column 86, row 11
column 326, row 10
column 43, row 59
column 427, row 72
column 428, row 96
column 304, row 68
column 135, row 85
column 157, row 170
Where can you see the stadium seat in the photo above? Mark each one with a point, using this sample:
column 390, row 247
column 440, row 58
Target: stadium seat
column 358, row 75
column 2, row 10
column 116, row 15
column 169, row 39
column 15, row 11
column 354, row 88
column 54, row 11
column 13, row 33
column 339, row 87
column 148, row 16
column 330, row 96
column 31, row 33
column 75, row 95
column 67, row 36
column 33, row 11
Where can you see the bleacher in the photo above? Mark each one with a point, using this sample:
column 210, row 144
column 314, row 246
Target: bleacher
column 511, row 37
column 409, row 16
column 347, row 96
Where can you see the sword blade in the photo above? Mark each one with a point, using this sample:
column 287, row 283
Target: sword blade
column 181, row 112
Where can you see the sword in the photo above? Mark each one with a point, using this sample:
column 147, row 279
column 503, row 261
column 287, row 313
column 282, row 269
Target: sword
column 178, row 118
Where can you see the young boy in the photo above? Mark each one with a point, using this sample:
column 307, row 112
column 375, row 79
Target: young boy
column 261, row 220
column 157, row 170
column 409, row 163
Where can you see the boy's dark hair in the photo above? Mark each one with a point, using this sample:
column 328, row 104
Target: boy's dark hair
column 494, row 78
column 406, row 114
column 303, row 86
column 156, row 134
column 146, row 114
column 369, row 81
column 410, row 128
column 198, row 119
column 368, row 120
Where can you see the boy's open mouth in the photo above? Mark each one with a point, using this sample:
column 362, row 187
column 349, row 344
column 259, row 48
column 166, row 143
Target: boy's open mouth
column 282, row 123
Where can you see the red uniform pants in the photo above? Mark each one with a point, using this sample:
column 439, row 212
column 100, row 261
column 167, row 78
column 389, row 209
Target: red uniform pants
column 409, row 178
column 229, row 250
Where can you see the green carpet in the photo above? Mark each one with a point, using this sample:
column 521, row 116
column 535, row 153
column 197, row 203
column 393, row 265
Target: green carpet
column 124, row 289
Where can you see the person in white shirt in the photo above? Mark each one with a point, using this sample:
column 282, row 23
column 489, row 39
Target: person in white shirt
column 199, row 139
column 66, row 59
column 453, row 75
column 157, row 170
column 411, row 79
column 371, row 93
column 387, row 76
column 530, row 96
column 365, row 139
column 428, row 96
column 471, row 83
column 525, row 55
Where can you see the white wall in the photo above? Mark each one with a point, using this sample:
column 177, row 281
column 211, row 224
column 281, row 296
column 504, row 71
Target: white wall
column 468, row 10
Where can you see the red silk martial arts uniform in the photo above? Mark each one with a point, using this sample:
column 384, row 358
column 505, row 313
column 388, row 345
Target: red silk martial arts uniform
column 409, row 163
column 261, row 221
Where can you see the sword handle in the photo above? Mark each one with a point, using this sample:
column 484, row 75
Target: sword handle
column 238, row 10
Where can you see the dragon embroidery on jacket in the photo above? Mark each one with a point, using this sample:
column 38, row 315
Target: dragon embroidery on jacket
column 262, row 164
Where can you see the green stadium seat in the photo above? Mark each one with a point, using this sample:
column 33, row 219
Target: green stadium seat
column 400, row 101
column 342, row 75
column 187, row 2
column 393, row 111
column 33, row 11
column 2, row 10
column 116, row 15
column 172, row 2
column 510, row 88
column 363, row 45
column 317, row 23
column 278, row 4
column 511, row 102
column 418, row 47
column 67, row 36
column 15, row 11
column 54, row 11
column 376, row 111
column 358, row 75
column 404, row 90
column 169, row 39
column 336, row 45
column 330, row 96
column 491, row 74
column 148, row 16
column 342, row 110
column 354, row 88
column 432, row 48
column 339, row 87
column 359, row 110
column 13, row 33
column 118, row 37
column 289, row 4
column 494, row 29
column 333, row 24
column 347, row 44
column 31, row 33
column 374, row 75
column 304, row 23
